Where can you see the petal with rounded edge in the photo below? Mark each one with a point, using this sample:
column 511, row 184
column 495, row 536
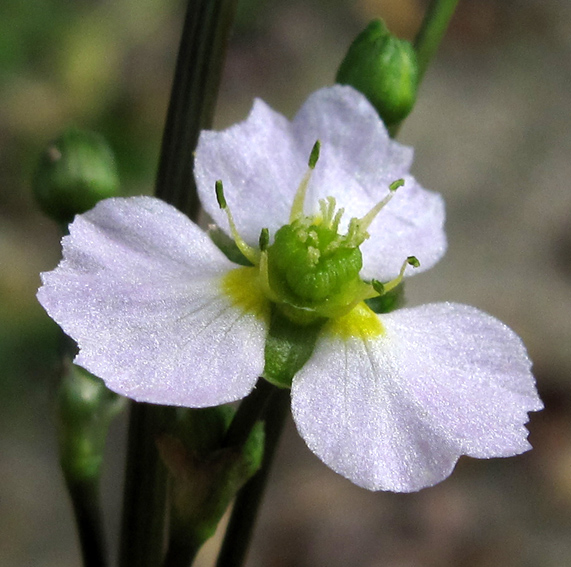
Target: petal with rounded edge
column 140, row 288
column 396, row 411
column 260, row 166
column 262, row 160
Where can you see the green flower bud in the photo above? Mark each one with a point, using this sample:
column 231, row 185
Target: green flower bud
column 384, row 68
column 75, row 172
column 86, row 408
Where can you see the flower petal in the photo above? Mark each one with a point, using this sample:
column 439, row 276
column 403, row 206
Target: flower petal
column 357, row 164
column 260, row 165
column 396, row 411
column 140, row 288
column 262, row 160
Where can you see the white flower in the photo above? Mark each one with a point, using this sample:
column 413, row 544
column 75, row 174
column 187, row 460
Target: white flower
column 390, row 401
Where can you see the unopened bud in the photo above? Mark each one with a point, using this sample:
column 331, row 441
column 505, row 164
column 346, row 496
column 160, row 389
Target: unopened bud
column 75, row 172
column 384, row 68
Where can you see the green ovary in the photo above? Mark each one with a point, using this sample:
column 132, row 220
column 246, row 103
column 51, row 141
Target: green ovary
column 312, row 267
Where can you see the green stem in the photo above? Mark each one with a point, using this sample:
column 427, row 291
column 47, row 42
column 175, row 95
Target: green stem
column 432, row 31
column 243, row 518
column 184, row 543
column 144, row 504
column 428, row 38
column 85, row 408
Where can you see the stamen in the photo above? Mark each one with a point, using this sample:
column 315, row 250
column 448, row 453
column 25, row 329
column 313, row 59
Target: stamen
column 357, row 231
column 366, row 221
column 396, row 184
column 378, row 286
column 264, row 239
column 337, row 220
column 250, row 253
column 265, row 277
column 410, row 261
column 299, row 199
column 314, row 155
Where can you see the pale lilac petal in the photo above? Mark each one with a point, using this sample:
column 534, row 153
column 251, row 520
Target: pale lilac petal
column 140, row 289
column 357, row 164
column 411, row 224
column 260, row 165
column 261, row 162
column 395, row 412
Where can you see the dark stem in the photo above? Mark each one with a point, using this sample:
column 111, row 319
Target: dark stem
column 243, row 518
column 199, row 64
column 182, row 550
column 197, row 75
column 87, row 509
column 248, row 413
column 144, row 504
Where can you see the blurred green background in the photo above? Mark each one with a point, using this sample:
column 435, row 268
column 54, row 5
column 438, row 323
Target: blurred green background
column 492, row 133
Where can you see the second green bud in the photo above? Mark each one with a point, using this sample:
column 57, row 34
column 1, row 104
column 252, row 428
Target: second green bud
column 74, row 173
column 384, row 68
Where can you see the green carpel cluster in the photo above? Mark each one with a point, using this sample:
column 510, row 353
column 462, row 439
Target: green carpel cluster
column 310, row 264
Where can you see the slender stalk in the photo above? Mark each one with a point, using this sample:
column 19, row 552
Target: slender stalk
column 144, row 504
column 428, row 38
column 432, row 31
column 197, row 75
column 243, row 518
column 182, row 550
column 85, row 409
column 186, row 537
column 249, row 412
column 83, row 489
column 201, row 54
column 86, row 506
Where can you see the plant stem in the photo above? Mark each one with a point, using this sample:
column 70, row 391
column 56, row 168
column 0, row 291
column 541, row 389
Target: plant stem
column 83, row 490
column 249, row 412
column 428, row 38
column 197, row 75
column 243, row 518
column 185, row 541
column 199, row 64
column 432, row 31
column 85, row 498
column 144, row 504
column 182, row 550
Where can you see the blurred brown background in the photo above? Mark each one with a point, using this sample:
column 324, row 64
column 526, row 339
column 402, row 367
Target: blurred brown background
column 492, row 134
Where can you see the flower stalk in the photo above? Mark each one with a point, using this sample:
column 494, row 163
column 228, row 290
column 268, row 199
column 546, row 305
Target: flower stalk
column 205, row 34
column 242, row 521
column 427, row 40
column 85, row 410
column 434, row 26
column 199, row 63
